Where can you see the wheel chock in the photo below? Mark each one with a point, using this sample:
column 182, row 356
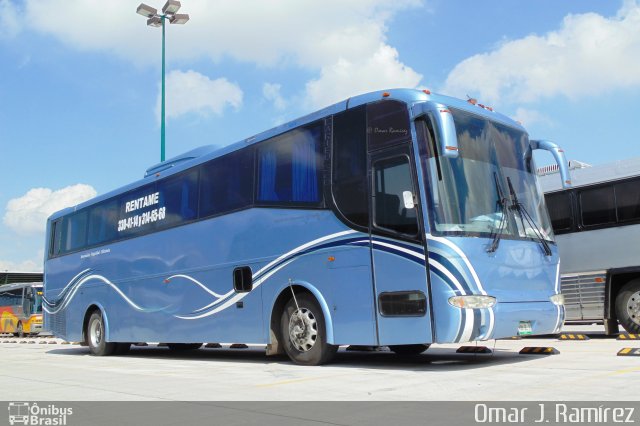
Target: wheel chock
column 572, row 336
column 628, row 336
column 473, row 350
column 539, row 350
column 629, row 352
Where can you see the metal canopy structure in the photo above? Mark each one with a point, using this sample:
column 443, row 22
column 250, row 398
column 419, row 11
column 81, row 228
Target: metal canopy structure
column 8, row 277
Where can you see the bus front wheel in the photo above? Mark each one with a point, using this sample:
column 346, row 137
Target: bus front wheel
column 628, row 307
column 304, row 332
column 96, row 336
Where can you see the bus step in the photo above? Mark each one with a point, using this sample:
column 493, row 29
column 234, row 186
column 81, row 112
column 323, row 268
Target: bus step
column 628, row 336
column 572, row 336
column 629, row 352
column 213, row 346
column 539, row 350
column 473, row 350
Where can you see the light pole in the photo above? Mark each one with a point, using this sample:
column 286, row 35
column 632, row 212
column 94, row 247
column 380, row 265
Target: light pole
column 155, row 19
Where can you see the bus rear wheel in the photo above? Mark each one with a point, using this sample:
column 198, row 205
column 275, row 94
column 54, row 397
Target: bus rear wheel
column 19, row 330
column 98, row 346
column 628, row 307
column 304, row 332
column 408, row 350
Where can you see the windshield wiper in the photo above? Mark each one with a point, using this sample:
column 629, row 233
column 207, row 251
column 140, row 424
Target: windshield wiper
column 501, row 208
column 524, row 215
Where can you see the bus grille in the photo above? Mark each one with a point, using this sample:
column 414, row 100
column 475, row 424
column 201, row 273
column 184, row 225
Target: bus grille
column 584, row 295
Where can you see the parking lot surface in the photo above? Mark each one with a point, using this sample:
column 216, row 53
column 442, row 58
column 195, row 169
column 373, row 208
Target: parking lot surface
column 583, row 370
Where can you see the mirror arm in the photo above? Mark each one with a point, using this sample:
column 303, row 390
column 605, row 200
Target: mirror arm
column 558, row 155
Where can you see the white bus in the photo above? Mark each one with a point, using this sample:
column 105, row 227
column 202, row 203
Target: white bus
column 597, row 228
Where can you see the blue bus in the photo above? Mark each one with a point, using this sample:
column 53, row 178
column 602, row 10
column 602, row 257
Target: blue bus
column 399, row 218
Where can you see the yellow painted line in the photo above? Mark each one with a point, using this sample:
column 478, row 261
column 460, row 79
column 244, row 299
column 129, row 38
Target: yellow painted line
column 625, row 351
column 308, row 379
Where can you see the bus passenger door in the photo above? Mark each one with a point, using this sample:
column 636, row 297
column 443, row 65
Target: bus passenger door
column 399, row 271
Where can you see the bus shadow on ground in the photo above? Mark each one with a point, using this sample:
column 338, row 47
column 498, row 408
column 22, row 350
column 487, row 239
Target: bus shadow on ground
column 435, row 359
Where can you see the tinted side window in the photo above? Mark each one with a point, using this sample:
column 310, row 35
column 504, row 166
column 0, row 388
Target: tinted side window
column 74, row 231
column 226, row 183
column 559, row 206
column 103, row 222
column 628, row 200
column 598, row 206
column 387, row 123
column 178, row 195
column 349, row 184
column 392, row 178
column 290, row 167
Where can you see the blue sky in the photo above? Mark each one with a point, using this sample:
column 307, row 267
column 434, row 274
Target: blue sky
column 80, row 81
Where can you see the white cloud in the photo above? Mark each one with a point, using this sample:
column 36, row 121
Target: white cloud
column 271, row 92
column 28, row 214
column 344, row 42
column 529, row 117
column 589, row 54
column 10, row 22
column 23, row 266
column 345, row 78
column 191, row 92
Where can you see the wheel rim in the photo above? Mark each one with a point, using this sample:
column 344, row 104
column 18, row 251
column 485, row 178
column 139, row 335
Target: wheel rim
column 633, row 307
column 95, row 333
column 303, row 329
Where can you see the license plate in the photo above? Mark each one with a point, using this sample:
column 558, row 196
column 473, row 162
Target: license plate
column 524, row 328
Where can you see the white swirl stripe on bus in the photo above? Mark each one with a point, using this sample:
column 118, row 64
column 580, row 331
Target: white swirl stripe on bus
column 67, row 299
column 476, row 279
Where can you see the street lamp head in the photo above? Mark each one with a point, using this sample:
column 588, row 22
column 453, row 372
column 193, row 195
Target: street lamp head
column 171, row 7
column 179, row 18
column 154, row 21
column 146, row 11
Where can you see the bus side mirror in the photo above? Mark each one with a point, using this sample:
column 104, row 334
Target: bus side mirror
column 558, row 155
column 445, row 127
column 242, row 279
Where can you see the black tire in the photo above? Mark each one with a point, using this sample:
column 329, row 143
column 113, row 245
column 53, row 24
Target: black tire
column 628, row 307
column 408, row 350
column 95, row 336
column 122, row 348
column 19, row 331
column 310, row 347
column 184, row 346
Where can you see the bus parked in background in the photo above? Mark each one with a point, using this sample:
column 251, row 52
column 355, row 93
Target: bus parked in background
column 21, row 308
column 398, row 218
column 597, row 227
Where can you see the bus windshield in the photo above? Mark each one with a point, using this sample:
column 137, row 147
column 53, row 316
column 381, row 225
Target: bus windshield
column 467, row 191
column 37, row 301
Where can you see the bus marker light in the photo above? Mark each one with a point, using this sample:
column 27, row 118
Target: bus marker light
column 629, row 352
column 539, row 350
column 628, row 337
column 331, row 259
column 599, row 280
column 472, row 302
column 427, row 91
column 386, row 94
column 473, row 350
column 571, row 336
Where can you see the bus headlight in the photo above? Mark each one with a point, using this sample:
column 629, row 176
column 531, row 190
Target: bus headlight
column 557, row 299
column 472, row 302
